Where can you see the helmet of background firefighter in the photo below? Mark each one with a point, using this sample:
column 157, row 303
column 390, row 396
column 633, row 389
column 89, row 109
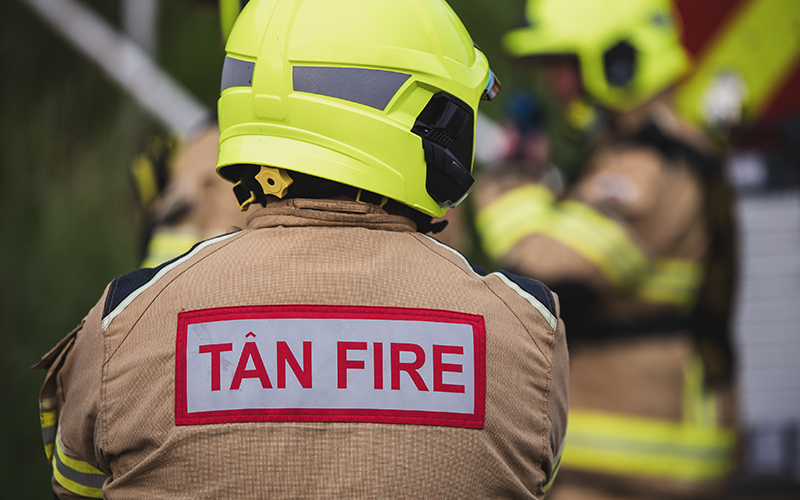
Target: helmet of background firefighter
column 624, row 59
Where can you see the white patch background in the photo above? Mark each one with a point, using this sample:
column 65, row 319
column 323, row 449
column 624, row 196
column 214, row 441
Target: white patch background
column 324, row 394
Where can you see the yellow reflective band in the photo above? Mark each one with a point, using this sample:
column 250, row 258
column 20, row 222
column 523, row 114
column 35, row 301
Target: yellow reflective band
column 168, row 244
column 520, row 212
column 76, row 476
column 531, row 209
column 48, row 420
column 600, row 240
column 556, row 467
column 672, row 281
column 762, row 45
column 654, row 448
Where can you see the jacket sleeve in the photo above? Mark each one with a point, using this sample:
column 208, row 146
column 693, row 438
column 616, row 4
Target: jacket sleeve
column 603, row 235
column 70, row 408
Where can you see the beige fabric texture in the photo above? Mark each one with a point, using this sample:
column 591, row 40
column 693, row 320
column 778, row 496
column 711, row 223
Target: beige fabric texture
column 116, row 387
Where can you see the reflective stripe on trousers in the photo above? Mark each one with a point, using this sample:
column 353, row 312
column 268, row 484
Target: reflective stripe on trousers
column 695, row 450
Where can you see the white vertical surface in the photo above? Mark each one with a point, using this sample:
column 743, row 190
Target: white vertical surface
column 140, row 22
column 767, row 317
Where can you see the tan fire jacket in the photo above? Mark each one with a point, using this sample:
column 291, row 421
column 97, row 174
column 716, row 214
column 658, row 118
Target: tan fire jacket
column 326, row 351
column 632, row 233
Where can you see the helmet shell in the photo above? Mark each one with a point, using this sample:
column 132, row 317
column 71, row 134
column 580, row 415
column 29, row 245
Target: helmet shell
column 592, row 29
column 336, row 88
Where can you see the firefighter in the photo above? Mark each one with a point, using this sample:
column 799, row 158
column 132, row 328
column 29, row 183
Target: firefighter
column 638, row 246
column 330, row 349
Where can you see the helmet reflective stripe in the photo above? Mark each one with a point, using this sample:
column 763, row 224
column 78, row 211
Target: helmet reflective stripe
column 236, row 73
column 371, row 87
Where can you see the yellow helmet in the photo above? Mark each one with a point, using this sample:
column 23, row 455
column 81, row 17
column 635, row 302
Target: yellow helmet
column 380, row 96
column 628, row 50
column 228, row 12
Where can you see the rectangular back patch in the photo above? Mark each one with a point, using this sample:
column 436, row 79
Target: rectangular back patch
column 308, row 363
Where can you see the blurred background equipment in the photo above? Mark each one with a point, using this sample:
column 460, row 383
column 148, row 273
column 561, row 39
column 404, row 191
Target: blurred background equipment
column 126, row 62
column 746, row 56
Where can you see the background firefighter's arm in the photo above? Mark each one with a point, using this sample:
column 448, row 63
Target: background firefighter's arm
column 607, row 237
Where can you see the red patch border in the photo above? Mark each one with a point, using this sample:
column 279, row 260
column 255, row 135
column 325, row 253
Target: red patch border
column 474, row 420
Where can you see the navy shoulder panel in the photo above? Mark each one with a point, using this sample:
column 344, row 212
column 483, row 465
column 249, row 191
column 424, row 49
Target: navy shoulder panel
column 536, row 288
column 476, row 268
column 126, row 284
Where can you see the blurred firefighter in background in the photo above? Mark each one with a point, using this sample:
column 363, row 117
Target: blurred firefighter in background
column 639, row 245
column 183, row 199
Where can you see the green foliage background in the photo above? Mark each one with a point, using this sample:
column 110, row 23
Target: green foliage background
column 69, row 222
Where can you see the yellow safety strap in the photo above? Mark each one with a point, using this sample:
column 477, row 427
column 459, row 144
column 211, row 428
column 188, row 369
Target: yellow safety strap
column 672, row 281
column 762, row 45
column 76, row 476
column 48, row 419
column 694, row 450
column 531, row 210
column 167, row 244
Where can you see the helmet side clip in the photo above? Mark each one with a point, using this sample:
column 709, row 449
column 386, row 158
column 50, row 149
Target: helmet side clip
column 445, row 126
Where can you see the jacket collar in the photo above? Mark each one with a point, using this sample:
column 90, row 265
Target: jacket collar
column 302, row 212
